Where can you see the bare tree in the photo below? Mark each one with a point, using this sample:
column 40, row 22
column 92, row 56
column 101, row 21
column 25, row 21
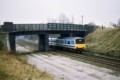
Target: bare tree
column 91, row 24
column 72, row 19
column 52, row 20
column 118, row 24
column 63, row 19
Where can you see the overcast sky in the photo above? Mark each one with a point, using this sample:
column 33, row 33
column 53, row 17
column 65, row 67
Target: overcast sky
column 101, row 12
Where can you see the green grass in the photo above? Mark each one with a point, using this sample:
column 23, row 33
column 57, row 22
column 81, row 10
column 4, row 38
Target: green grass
column 13, row 67
column 106, row 41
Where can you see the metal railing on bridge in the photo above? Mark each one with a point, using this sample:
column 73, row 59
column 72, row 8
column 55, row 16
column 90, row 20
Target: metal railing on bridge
column 41, row 27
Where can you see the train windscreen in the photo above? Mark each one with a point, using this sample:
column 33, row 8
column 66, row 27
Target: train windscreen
column 80, row 41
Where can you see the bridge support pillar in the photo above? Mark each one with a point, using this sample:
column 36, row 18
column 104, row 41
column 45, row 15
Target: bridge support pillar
column 12, row 42
column 43, row 42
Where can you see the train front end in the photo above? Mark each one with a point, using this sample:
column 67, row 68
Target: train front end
column 80, row 44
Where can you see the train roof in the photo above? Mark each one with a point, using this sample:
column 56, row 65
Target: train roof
column 70, row 38
column 52, row 38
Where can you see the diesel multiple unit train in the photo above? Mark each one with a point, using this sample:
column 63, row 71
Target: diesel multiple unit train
column 75, row 44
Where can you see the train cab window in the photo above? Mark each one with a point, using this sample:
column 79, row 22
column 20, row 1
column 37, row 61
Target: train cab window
column 80, row 41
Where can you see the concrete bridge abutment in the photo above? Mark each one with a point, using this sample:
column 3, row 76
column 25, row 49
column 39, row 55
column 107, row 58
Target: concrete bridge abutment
column 43, row 42
column 12, row 42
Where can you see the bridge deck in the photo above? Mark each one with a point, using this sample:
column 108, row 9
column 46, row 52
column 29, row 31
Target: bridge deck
column 42, row 27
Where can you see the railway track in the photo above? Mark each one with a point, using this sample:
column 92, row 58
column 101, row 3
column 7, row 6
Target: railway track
column 91, row 58
column 110, row 63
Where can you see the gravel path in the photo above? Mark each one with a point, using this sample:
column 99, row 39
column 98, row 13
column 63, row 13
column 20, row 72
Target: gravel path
column 65, row 68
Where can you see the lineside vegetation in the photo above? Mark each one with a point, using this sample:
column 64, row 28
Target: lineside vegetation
column 13, row 67
column 104, row 41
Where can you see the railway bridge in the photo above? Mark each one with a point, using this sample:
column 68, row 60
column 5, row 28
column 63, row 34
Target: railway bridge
column 43, row 31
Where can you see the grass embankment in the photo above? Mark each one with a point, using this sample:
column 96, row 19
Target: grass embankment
column 106, row 42
column 13, row 67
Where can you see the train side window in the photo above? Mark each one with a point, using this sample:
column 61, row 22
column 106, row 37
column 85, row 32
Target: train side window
column 72, row 42
column 61, row 42
column 64, row 41
column 68, row 42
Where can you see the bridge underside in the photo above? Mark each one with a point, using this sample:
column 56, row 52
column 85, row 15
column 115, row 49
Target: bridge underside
column 43, row 42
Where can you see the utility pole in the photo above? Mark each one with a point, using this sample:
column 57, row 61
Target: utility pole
column 72, row 19
column 83, row 25
column 82, row 20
